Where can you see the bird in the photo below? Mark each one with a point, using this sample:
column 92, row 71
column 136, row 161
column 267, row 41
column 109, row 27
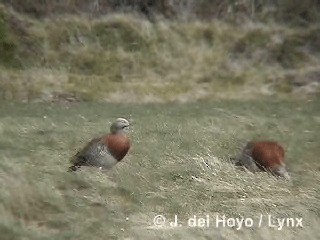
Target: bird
column 264, row 156
column 105, row 151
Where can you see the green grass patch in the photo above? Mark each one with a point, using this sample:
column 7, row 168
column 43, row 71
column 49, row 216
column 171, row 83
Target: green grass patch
column 179, row 164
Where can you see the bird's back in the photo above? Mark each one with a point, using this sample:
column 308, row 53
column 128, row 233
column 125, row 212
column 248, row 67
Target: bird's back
column 268, row 154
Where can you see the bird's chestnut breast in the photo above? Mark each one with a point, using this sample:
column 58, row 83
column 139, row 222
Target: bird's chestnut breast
column 118, row 145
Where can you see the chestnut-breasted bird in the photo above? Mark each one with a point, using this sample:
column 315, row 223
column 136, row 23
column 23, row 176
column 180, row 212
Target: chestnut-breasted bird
column 265, row 156
column 105, row 151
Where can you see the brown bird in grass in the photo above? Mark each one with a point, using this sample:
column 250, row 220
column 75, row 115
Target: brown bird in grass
column 264, row 156
column 105, row 151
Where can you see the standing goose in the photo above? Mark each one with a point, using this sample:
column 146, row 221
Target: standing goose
column 105, row 151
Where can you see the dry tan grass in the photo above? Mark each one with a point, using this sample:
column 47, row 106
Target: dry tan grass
column 125, row 58
column 180, row 164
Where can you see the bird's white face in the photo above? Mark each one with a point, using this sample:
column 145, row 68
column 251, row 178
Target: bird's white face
column 121, row 124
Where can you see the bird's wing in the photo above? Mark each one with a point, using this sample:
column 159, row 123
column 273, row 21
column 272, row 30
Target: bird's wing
column 249, row 163
column 81, row 157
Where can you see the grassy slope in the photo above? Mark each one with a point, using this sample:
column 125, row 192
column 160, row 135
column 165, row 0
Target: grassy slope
column 178, row 165
column 108, row 57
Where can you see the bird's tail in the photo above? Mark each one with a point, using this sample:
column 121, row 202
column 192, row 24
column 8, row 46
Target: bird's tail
column 73, row 168
column 77, row 161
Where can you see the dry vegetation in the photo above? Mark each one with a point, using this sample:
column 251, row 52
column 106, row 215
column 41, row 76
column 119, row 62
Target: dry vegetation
column 106, row 57
column 179, row 164
column 248, row 69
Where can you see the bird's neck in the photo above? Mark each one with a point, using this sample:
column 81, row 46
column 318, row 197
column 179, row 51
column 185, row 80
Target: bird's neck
column 118, row 132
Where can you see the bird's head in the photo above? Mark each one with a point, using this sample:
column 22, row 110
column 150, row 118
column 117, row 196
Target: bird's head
column 119, row 126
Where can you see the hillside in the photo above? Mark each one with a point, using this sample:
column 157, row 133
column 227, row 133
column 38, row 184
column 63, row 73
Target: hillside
column 125, row 57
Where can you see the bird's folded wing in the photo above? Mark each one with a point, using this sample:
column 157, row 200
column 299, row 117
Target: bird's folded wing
column 89, row 149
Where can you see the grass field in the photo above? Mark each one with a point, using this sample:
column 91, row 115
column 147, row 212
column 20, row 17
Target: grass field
column 179, row 165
